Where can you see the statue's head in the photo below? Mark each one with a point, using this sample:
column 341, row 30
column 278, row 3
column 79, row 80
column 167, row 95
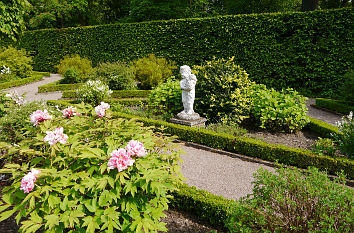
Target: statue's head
column 185, row 70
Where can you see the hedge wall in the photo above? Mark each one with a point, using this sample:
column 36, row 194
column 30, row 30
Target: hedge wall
column 309, row 51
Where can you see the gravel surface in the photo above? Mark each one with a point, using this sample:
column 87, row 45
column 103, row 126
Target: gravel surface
column 322, row 115
column 31, row 90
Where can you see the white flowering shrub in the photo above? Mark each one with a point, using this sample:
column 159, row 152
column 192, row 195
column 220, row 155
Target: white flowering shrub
column 345, row 138
column 94, row 92
column 5, row 74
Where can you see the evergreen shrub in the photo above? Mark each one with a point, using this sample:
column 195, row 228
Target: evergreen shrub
column 151, row 70
column 223, row 91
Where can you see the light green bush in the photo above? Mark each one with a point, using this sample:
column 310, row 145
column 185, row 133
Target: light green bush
column 71, row 76
column 223, row 91
column 166, row 97
column 19, row 61
column 81, row 65
column 118, row 75
column 279, row 111
column 151, row 70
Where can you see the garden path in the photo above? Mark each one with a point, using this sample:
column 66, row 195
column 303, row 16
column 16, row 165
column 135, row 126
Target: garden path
column 218, row 172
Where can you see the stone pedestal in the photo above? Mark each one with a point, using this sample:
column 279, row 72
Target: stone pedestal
column 200, row 122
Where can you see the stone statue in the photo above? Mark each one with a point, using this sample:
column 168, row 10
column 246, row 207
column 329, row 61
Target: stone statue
column 187, row 84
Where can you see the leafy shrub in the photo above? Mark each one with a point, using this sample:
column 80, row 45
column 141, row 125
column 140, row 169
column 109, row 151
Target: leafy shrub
column 347, row 89
column 222, row 91
column 82, row 65
column 345, row 137
column 324, row 146
column 71, row 75
column 19, row 61
column 279, row 111
column 289, row 201
column 151, row 70
column 166, row 97
column 15, row 123
column 118, row 75
column 77, row 185
column 93, row 92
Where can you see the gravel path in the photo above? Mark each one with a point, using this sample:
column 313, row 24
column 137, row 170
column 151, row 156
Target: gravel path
column 217, row 173
column 31, row 90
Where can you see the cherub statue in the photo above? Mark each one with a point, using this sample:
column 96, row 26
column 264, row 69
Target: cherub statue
column 187, row 84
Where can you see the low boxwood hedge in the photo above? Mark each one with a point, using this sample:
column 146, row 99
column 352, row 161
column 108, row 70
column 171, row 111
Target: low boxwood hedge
column 335, row 105
column 115, row 94
column 252, row 147
column 209, row 207
column 36, row 76
column 126, row 102
column 322, row 128
column 58, row 87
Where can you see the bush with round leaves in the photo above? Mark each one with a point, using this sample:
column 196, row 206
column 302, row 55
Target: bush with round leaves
column 279, row 110
column 88, row 173
column 166, row 97
column 223, row 91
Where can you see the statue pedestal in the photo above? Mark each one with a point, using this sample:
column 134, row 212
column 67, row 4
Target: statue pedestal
column 200, row 122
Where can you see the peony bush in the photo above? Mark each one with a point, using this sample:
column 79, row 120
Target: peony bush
column 90, row 173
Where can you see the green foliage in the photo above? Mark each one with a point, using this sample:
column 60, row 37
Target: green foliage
column 289, row 201
column 278, row 50
column 71, row 76
column 252, row 147
column 279, row 111
column 75, row 190
column 228, row 127
column 338, row 106
column 118, row 75
column 11, row 14
column 223, row 91
column 81, row 65
column 115, row 94
column 34, row 77
column 151, row 70
column 324, row 146
column 261, row 6
column 330, row 4
column 345, row 138
column 347, row 88
column 93, row 92
column 18, row 60
column 15, row 124
column 166, row 97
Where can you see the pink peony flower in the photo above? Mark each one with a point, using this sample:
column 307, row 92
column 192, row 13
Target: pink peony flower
column 40, row 116
column 120, row 160
column 135, row 148
column 56, row 136
column 70, row 112
column 27, row 182
column 101, row 109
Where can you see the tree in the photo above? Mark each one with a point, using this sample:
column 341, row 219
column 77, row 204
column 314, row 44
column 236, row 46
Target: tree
column 329, row 4
column 309, row 5
column 260, row 6
column 11, row 18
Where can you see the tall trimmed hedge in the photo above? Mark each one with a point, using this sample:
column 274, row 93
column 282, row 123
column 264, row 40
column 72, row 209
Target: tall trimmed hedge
column 309, row 51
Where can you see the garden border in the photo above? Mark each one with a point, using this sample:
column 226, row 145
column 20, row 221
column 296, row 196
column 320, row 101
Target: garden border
column 35, row 76
column 56, row 86
column 115, row 94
